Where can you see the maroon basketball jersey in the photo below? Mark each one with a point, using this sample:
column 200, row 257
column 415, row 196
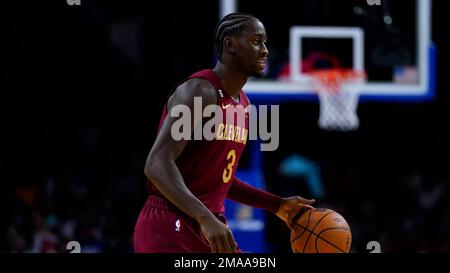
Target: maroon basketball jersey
column 208, row 166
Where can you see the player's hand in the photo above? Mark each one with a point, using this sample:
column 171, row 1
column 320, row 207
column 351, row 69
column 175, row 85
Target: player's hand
column 219, row 235
column 291, row 206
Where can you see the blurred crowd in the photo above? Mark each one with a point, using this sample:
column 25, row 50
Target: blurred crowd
column 92, row 195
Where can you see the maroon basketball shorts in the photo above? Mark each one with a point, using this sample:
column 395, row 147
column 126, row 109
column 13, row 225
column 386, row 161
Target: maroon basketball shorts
column 162, row 228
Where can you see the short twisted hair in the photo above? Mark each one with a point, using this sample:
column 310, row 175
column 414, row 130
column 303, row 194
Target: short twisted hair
column 230, row 24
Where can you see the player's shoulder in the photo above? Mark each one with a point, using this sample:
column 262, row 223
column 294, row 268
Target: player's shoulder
column 198, row 87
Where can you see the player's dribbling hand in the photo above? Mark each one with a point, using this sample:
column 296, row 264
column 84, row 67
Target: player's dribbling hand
column 219, row 235
column 291, row 206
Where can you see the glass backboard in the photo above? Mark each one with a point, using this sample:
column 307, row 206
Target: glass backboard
column 388, row 39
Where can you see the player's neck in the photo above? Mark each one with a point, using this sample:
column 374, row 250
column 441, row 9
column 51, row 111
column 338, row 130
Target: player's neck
column 232, row 81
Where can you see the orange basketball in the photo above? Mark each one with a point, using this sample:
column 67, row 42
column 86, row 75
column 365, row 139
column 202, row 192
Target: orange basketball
column 320, row 230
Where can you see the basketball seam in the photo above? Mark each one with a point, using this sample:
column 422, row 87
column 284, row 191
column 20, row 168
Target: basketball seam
column 318, row 236
column 304, row 229
column 318, row 222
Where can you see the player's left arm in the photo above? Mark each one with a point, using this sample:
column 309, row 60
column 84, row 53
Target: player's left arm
column 284, row 208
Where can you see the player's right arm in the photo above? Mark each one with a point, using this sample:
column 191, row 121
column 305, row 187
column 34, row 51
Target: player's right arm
column 161, row 169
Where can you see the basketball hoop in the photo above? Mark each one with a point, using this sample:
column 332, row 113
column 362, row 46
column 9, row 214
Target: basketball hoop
column 338, row 90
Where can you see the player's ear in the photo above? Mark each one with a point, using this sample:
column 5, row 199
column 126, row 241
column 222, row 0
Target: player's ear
column 230, row 45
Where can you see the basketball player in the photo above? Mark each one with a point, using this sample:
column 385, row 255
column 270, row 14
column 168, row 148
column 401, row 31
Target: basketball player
column 190, row 179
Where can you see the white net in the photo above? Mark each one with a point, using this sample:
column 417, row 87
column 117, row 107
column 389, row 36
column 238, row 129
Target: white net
column 338, row 92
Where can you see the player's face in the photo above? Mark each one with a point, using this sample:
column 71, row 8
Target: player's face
column 252, row 51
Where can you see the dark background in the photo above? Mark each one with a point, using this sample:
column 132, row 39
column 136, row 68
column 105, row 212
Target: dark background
column 79, row 110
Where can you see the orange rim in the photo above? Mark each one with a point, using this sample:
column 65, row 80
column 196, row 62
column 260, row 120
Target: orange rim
column 332, row 78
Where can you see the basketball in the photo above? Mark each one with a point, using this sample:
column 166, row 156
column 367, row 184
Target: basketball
column 320, row 230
